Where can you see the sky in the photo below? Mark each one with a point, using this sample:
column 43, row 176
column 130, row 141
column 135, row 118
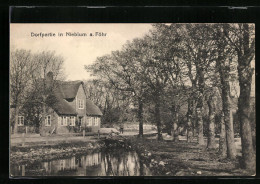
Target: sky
column 76, row 51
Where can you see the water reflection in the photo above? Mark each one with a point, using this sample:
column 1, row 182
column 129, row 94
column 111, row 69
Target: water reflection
column 105, row 163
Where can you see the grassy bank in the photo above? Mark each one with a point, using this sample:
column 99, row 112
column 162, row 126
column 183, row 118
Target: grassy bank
column 164, row 158
column 184, row 159
column 34, row 152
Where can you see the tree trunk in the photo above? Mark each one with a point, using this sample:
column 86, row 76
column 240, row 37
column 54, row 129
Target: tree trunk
column 200, row 127
column 141, row 167
column 189, row 131
column 175, row 117
column 193, row 108
column 224, row 72
column 231, row 150
column 193, row 119
column 222, row 138
column 199, row 108
column 248, row 154
column 140, row 118
column 175, row 133
column 245, row 73
column 16, row 114
column 158, row 119
column 109, row 166
column 189, row 125
column 245, row 128
column 189, row 115
column 189, row 111
column 211, row 124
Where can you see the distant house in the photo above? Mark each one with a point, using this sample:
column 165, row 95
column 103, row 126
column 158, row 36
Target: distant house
column 68, row 109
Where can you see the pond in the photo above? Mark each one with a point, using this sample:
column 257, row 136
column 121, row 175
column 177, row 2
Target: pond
column 108, row 162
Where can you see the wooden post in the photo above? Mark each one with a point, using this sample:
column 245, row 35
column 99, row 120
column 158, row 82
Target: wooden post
column 23, row 139
column 26, row 130
column 83, row 133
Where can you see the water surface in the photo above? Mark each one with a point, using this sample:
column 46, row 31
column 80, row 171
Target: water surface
column 108, row 162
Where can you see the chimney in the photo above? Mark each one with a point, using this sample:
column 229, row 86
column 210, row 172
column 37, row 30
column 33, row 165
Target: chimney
column 49, row 79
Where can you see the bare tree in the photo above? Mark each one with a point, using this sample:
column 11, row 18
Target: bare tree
column 155, row 74
column 199, row 55
column 22, row 67
column 241, row 38
column 223, row 63
column 122, row 71
column 49, row 71
column 171, row 50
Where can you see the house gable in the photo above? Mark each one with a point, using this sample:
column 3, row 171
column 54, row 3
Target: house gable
column 80, row 101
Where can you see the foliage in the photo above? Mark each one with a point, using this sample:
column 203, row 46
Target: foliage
column 28, row 87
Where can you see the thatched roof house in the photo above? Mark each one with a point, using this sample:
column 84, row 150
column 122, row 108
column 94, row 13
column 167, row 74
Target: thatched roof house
column 68, row 109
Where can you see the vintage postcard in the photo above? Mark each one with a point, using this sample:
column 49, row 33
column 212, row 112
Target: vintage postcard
column 128, row 99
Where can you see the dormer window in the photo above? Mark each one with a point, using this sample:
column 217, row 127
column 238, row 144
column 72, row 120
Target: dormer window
column 81, row 104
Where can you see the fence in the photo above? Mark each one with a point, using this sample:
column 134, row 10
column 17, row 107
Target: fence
column 24, row 129
column 24, row 138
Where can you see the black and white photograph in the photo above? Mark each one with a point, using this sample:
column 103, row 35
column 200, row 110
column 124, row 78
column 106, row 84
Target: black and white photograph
column 132, row 99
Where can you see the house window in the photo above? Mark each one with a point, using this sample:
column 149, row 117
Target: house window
column 64, row 121
column 88, row 121
column 92, row 121
column 96, row 121
column 48, row 120
column 68, row 120
column 20, row 121
column 61, row 120
column 72, row 121
column 81, row 104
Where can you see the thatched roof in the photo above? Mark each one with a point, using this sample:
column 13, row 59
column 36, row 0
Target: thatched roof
column 63, row 89
column 60, row 106
column 92, row 109
column 67, row 90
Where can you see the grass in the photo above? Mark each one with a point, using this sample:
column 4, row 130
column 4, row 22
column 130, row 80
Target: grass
column 164, row 158
column 39, row 152
column 185, row 159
